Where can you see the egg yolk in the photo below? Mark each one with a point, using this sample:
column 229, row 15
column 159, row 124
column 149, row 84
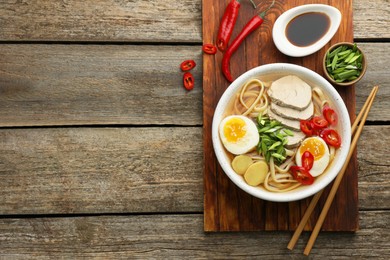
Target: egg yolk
column 234, row 129
column 314, row 146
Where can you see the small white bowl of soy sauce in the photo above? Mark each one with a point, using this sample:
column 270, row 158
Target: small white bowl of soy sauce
column 305, row 29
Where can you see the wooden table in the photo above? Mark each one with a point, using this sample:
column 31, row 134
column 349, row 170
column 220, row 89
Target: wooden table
column 101, row 151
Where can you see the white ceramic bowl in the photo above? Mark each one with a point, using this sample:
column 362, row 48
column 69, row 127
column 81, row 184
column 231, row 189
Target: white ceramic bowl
column 344, row 129
column 279, row 29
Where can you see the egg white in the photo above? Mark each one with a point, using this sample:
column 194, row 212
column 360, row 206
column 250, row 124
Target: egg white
column 320, row 164
column 244, row 144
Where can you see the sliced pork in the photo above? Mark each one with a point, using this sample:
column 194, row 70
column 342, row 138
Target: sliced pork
column 295, row 140
column 290, row 91
column 289, row 123
column 291, row 113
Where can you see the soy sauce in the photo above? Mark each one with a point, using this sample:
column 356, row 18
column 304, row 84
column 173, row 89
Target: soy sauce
column 307, row 28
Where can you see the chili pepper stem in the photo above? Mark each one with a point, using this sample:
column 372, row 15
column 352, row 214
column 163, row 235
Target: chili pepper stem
column 262, row 14
column 253, row 3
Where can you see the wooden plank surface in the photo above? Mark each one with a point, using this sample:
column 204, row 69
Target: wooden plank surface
column 371, row 19
column 373, row 172
column 97, row 84
column 228, row 208
column 100, row 170
column 101, row 20
column 136, row 21
column 178, row 237
column 378, row 67
column 112, row 170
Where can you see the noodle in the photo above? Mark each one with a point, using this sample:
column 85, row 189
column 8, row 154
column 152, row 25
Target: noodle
column 332, row 152
column 319, row 98
column 279, row 178
column 285, row 168
column 281, row 189
column 259, row 96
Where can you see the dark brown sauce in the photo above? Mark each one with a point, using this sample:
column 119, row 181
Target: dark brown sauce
column 307, row 28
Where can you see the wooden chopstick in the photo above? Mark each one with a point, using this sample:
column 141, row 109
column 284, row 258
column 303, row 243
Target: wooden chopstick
column 317, row 196
column 338, row 179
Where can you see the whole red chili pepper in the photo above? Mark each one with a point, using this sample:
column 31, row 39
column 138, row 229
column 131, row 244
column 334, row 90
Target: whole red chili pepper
column 226, row 26
column 228, row 21
column 252, row 25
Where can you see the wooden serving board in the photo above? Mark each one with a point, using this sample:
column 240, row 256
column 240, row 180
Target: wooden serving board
column 226, row 207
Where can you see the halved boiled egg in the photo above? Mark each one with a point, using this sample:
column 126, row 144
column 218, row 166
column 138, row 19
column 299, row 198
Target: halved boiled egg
column 238, row 134
column 319, row 149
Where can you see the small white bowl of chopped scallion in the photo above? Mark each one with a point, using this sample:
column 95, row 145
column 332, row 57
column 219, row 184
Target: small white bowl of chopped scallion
column 344, row 64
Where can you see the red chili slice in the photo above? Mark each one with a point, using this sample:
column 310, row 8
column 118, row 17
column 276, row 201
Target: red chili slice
column 187, row 65
column 319, row 122
column 330, row 115
column 188, row 81
column 307, row 160
column 209, row 48
column 306, row 127
column 301, row 175
column 331, row 137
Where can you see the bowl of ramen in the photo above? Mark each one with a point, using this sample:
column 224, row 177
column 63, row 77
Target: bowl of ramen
column 281, row 132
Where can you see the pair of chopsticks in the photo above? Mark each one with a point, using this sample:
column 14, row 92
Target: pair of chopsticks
column 356, row 131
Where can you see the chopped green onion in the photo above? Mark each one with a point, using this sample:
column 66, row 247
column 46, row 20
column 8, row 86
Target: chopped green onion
column 264, row 129
column 280, row 136
column 347, row 52
column 334, row 52
column 272, row 139
column 354, row 58
column 351, row 67
column 338, row 70
column 288, row 132
column 350, row 56
column 346, row 74
column 335, row 58
column 278, row 156
column 274, row 145
column 273, row 129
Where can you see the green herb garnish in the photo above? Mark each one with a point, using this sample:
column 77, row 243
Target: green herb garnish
column 272, row 139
